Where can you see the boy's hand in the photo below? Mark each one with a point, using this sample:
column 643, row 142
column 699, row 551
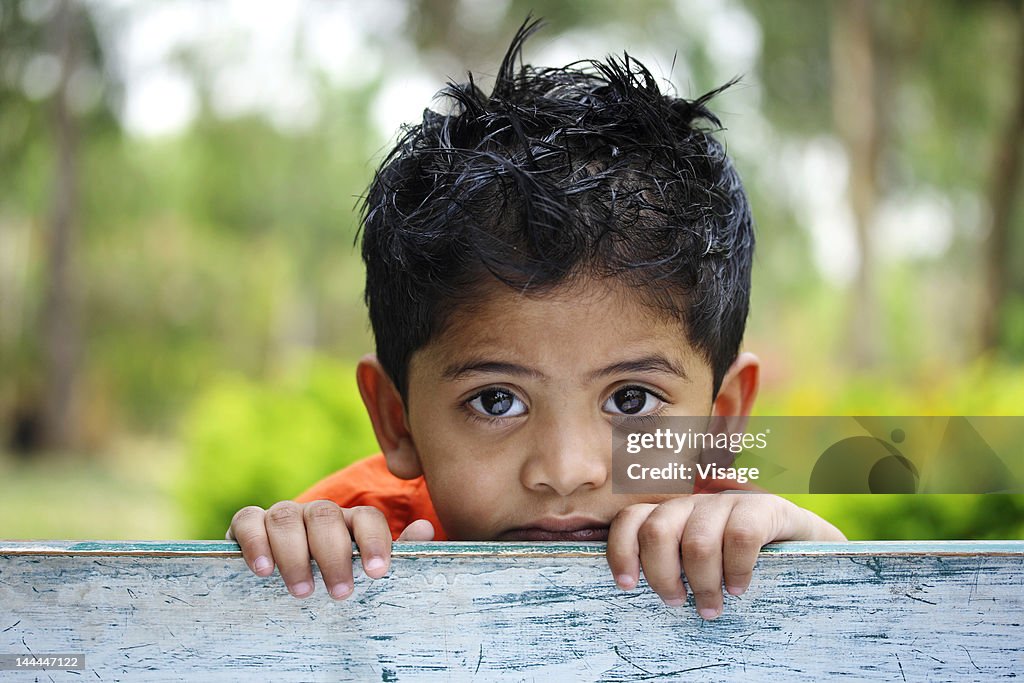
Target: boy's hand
column 710, row 537
column 288, row 533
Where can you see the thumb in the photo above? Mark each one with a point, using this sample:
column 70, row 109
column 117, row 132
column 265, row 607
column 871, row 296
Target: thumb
column 420, row 530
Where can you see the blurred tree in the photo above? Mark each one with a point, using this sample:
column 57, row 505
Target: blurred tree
column 857, row 90
column 52, row 63
column 916, row 123
column 1004, row 187
column 21, row 129
column 473, row 35
column 60, row 325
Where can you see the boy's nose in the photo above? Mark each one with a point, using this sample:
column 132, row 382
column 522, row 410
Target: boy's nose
column 567, row 457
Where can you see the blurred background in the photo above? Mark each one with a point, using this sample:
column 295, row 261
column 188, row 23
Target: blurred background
column 180, row 300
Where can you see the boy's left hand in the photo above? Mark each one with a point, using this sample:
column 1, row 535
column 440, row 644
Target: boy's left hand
column 710, row 537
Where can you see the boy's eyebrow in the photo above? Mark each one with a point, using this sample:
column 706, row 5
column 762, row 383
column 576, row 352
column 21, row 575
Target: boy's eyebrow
column 473, row 367
column 655, row 363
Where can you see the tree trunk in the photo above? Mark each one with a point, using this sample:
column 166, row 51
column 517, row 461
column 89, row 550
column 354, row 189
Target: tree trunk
column 59, row 314
column 855, row 110
column 1002, row 196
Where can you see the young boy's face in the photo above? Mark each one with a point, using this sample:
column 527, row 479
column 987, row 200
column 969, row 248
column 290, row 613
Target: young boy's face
column 509, row 411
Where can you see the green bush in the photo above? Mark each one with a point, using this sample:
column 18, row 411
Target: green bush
column 984, row 387
column 250, row 443
column 920, row 517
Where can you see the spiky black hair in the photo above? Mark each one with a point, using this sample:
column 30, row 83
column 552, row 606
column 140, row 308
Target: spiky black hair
column 587, row 170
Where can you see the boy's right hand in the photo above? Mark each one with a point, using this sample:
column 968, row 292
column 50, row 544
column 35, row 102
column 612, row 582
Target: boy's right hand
column 289, row 533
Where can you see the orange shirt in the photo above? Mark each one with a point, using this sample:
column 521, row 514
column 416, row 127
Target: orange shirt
column 369, row 482
column 403, row 501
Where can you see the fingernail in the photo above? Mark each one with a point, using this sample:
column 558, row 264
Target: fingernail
column 735, row 590
column 374, row 563
column 709, row 613
column 675, row 602
column 625, row 581
column 262, row 564
column 301, row 589
column 341, row 590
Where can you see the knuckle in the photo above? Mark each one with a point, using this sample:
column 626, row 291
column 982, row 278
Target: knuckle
column 619, row 562
column 703, row 594
column 617, row 551
column 321, row 512
column 742, row 537
column 669, row 589
column 370, row 522
column 656, row 530
column 632, row 511
column 370, row 530
column 247, row 515
column 367, row 512
column 700, row 548
column 375, row 540
column 284, row 513
column 781, row 509
column 251, row 540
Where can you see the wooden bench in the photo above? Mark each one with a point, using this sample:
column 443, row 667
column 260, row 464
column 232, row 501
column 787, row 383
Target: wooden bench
column 191, row 610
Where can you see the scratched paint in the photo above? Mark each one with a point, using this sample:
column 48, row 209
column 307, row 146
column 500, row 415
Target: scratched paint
column 465, row 548
column 168, row 611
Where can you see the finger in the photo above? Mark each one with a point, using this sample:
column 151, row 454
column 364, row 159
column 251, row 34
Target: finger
column 248, row 528
column 623, row 551
column 744, row 534
column 419, row 530
column 373, row 536
column 330, row 545
column 702, row 551
column 794, row 523
column 287, row 533
column 659, row 537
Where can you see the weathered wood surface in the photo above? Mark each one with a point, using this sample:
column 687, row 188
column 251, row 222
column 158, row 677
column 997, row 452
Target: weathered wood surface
column 459, row 611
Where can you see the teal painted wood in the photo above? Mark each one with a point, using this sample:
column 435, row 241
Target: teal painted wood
column 451, row 548
column 191, row 610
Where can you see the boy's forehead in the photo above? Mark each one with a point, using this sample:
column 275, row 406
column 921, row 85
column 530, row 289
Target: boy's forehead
column 572, row 330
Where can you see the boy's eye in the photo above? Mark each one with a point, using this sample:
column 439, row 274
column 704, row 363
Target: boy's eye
column 498, row 403
column 632, row 401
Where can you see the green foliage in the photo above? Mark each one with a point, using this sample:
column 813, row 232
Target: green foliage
column 984, row 388
column 920, row 517
column 981, row 388
column 255, row 444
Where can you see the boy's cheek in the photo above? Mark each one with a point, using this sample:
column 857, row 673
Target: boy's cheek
column 468, row 508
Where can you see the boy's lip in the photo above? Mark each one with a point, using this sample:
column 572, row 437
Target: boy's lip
column 559, row 529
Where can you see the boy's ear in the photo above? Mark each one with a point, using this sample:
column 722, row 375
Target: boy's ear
column 739, row 387
column 387, row 413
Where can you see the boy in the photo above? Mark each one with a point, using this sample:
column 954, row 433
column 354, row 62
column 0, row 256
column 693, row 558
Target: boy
column 570, row 250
